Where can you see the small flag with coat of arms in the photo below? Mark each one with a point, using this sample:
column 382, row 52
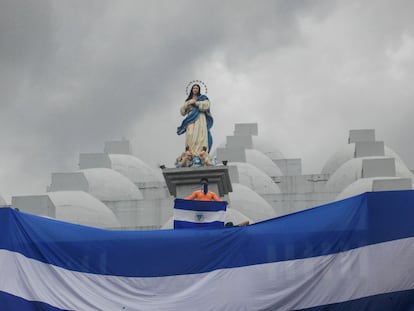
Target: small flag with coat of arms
column 199, row 214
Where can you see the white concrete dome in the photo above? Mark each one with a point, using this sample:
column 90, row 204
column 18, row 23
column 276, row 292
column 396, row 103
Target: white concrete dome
column 345, row 175
column 338, row 158
column 81, row 208
column 267, row 147
column 400, row 166
column 249, row 203
column 360, row 186
column 135, row 169
column 347, row 153
column 351, row 171
column 252, row 177
column 109, row 185
column 262, row 162
column 261, row 155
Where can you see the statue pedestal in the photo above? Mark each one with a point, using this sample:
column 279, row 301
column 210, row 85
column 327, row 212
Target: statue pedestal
column 183, row 181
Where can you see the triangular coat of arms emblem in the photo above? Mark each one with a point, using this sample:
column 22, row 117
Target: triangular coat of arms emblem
column 199, row 216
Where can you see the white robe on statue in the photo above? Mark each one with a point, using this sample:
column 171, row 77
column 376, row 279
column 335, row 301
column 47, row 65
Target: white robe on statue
column 196, row 135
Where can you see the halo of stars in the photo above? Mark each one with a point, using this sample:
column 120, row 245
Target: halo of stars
column 199, row 82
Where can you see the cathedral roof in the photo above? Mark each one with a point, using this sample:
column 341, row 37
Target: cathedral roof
column 254, row 178
column 360, row 186
column 82, row 208
column 109, row 185
column 347, row 152
column 249, row 203
column 351, row 170
column 262, row 162
column 267, row 147
column 134, row 168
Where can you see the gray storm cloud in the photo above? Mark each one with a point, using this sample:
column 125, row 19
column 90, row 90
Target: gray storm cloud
column 77, row 73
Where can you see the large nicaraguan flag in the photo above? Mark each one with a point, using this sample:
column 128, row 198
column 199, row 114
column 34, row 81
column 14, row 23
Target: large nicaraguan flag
column 354, row 254
column 199, row 214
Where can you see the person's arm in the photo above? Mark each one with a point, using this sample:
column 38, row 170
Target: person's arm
column 184, row 109
column 244, row 223
column 180, row 158
column 203, row 105
column 202, row 156
column 192, row 196
column 215, row 197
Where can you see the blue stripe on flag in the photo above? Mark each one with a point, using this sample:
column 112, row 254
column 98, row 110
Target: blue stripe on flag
column 188, row 225
column 402, row 300
column 359, row 221
column 203, row 206
column 290, row 285
column 11, row 302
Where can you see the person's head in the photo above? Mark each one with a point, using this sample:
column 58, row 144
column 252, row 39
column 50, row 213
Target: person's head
column 195, row 90
column 204, row 148
column 229, row 224
column 187, row 148
column 204, row 184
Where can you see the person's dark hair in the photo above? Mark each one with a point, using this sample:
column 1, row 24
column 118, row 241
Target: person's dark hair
column 204, row 179
column 191, row 92
column 187, row 148
column 229, row 224
column 204, row 148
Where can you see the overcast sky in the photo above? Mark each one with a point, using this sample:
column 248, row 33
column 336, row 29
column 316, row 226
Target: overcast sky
column 74, row 74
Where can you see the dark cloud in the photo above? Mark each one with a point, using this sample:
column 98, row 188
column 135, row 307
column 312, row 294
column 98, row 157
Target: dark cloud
column 26, row 34
column 27, row 43
column 77, row 73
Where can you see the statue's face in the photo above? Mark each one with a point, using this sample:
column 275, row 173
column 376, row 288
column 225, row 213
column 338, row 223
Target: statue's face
column 196, row 90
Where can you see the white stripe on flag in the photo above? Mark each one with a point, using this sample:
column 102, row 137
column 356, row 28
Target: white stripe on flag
column 199, row 217
column 295, row 284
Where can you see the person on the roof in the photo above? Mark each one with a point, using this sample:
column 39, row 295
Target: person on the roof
column 203, row 194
